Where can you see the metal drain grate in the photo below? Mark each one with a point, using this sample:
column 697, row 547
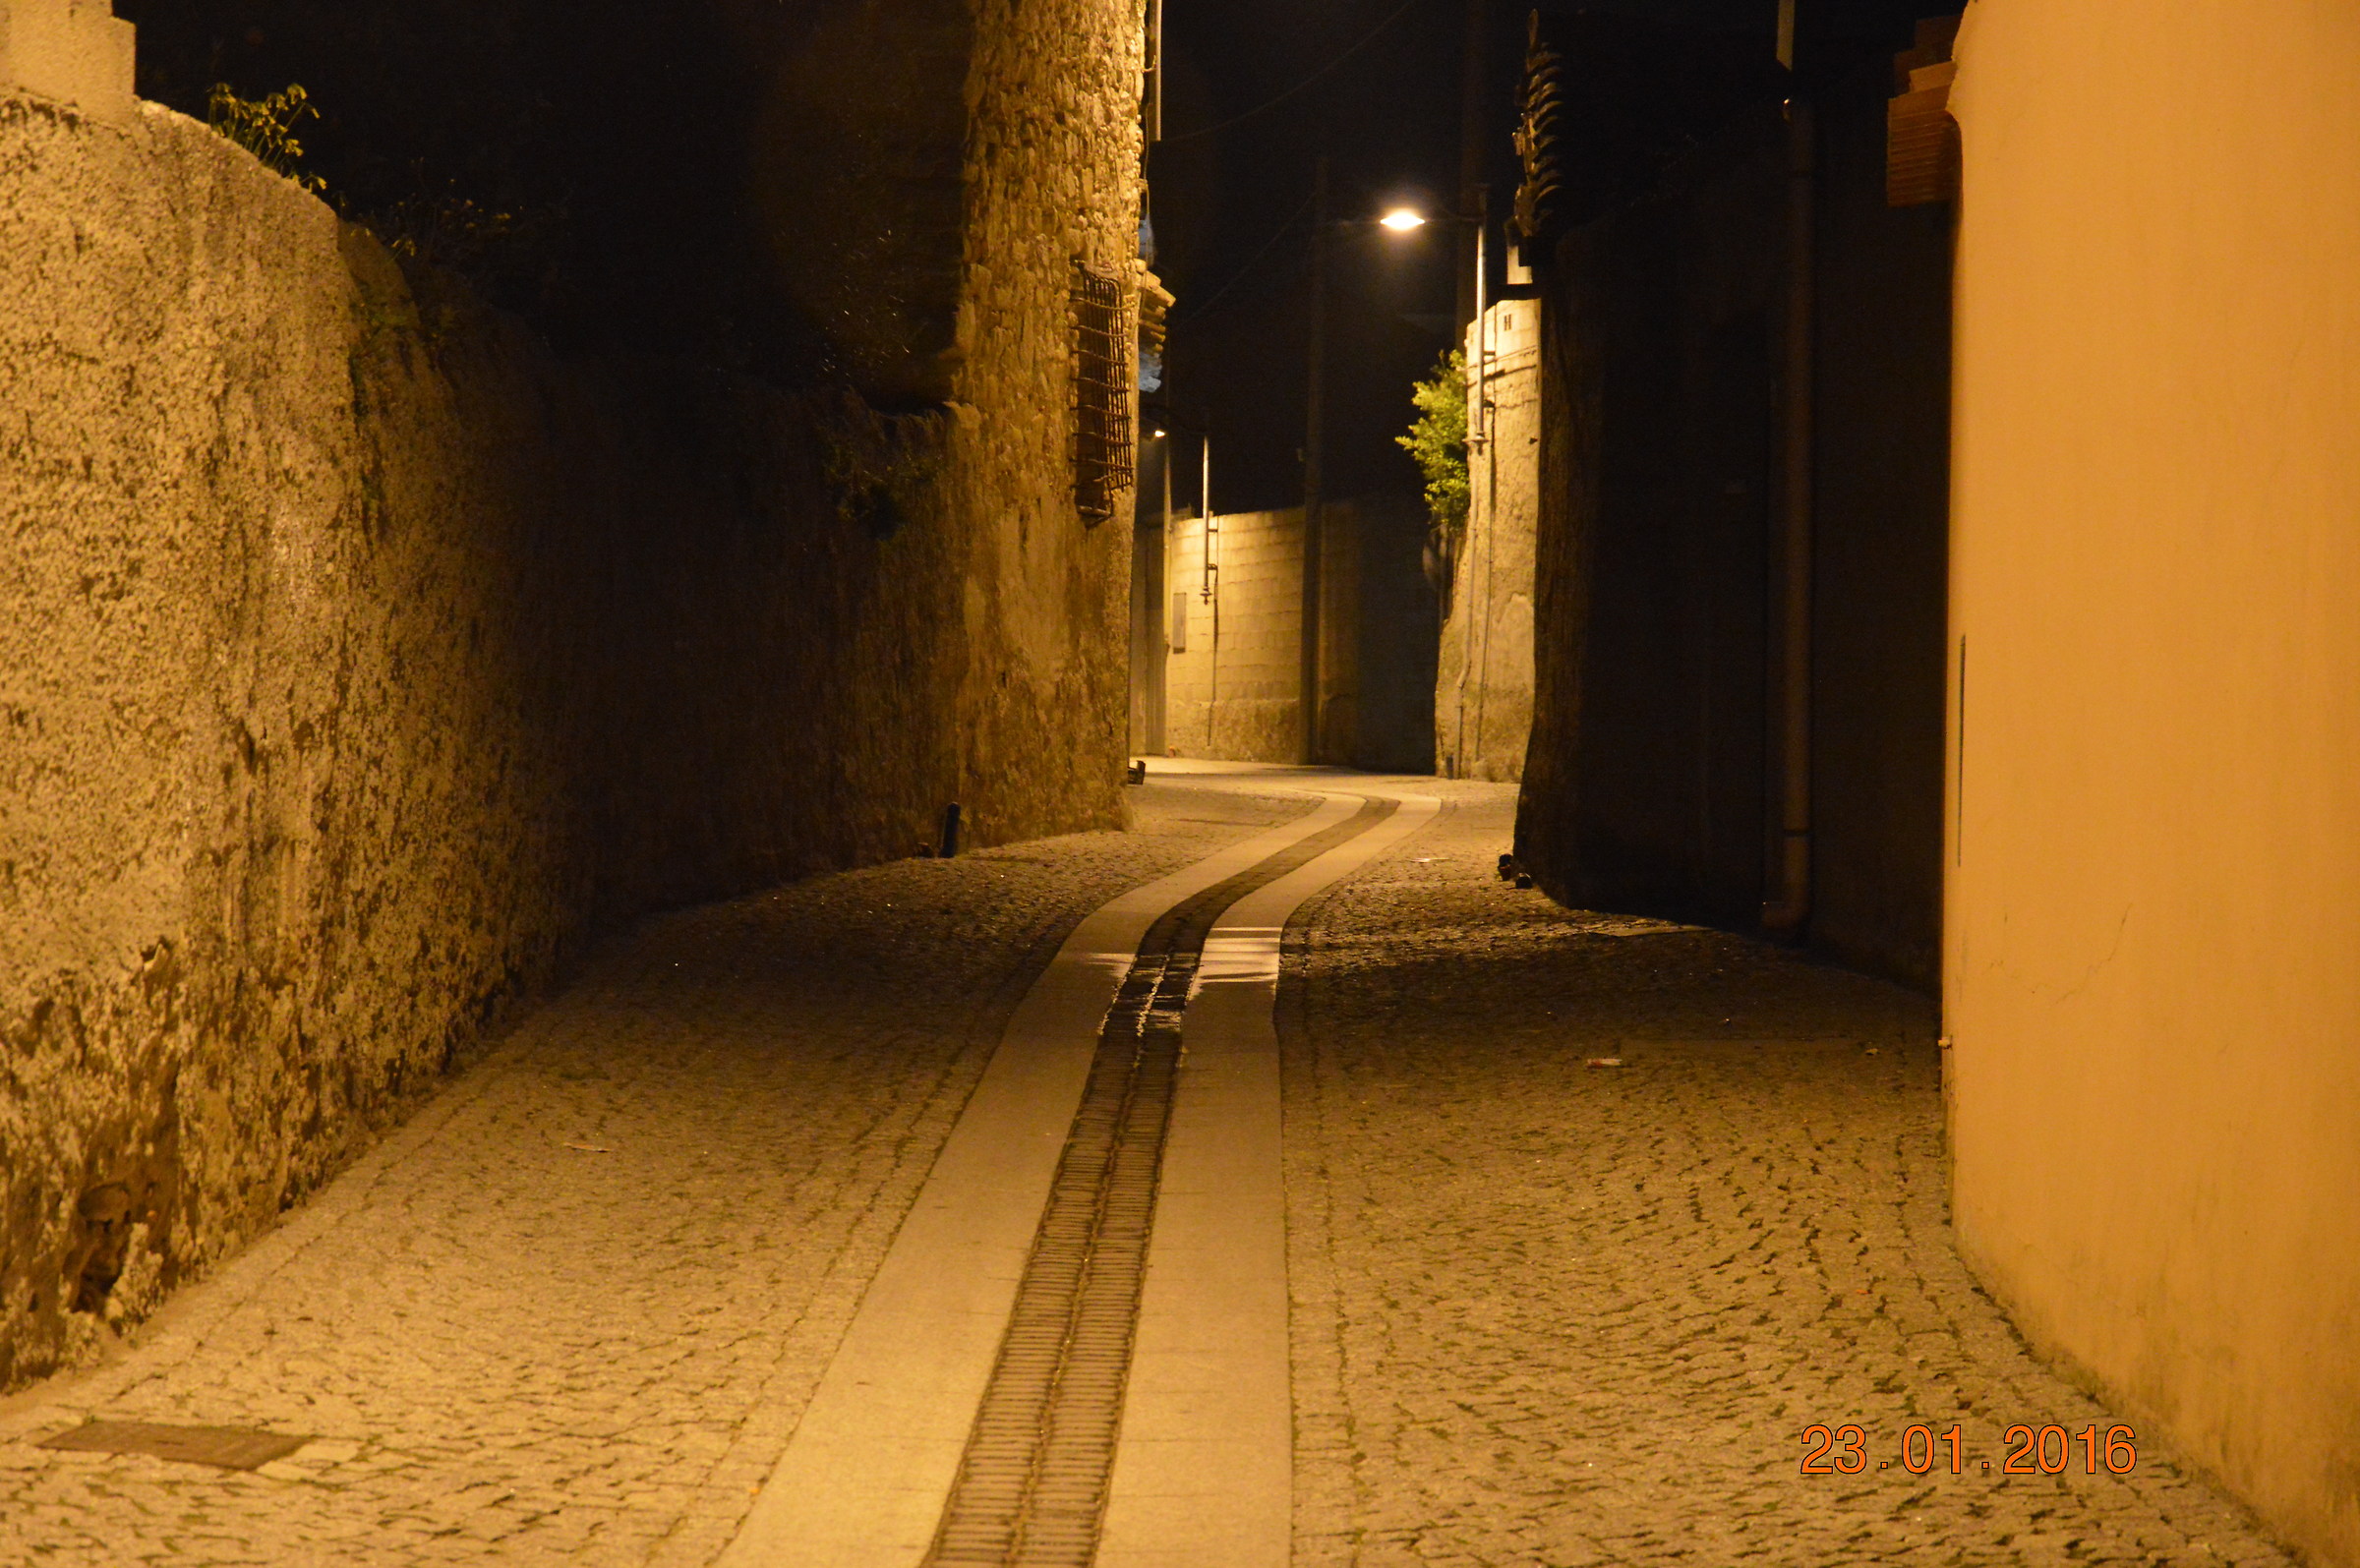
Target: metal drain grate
column 228, row 1447
column 1031, row 1488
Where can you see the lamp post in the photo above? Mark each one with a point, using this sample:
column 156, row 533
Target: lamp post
column 1168, row 584
column 1402, row 221
column 1150, row 560
column 1314, row 438
column 1211, row 592
column 1204, row 505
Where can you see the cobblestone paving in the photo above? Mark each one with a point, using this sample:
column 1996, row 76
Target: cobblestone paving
column 1548, row 1314
column 571, row 1313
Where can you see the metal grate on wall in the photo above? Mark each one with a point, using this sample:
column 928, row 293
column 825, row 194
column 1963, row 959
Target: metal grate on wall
column 1102, row 356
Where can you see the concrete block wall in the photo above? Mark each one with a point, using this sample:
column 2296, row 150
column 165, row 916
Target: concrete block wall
column 1377, row 632
column 1235, row 692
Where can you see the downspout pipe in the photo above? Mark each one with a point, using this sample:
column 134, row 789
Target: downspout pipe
column 1788, row 912
column 1315, row 445
column 1478, row 215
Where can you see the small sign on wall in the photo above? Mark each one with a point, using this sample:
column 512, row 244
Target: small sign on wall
column 1178, row 626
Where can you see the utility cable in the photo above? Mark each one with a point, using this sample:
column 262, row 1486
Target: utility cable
column 1198, row 311
column 1317, row 76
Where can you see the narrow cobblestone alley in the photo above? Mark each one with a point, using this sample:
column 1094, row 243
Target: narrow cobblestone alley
column 1587, row 1220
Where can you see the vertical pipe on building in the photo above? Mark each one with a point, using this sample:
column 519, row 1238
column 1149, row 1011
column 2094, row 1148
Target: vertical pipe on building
column 1211, row 592
column 1484, row 404
column 1475, row 130
column 1154, row 114
column 1791, row 614
column 1478, row 441
column 1147, row 647
column 1159, row 640
column 1314, row 440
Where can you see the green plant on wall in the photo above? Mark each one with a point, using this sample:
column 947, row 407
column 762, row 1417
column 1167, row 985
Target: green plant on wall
column 265, row 127
column 1438, row 439
column 484, row 240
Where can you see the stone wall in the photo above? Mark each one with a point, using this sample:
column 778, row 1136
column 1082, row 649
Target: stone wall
column 1483, row 690
column 1651, row 777
column 1644, row 779
column 365, row 658
column 1052, row 177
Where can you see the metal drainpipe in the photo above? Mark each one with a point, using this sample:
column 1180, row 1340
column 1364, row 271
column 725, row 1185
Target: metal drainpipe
column 1314, row 442
column 1160, row 638
column 1212, row 593
column 1478, row 439
column 1792, row 907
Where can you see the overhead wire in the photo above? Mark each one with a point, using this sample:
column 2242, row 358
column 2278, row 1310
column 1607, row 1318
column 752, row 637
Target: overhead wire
column 1317, row 76
column 1199, row 310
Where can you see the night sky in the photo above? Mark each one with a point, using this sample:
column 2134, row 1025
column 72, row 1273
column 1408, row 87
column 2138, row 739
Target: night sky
column 611, row 175
column 1232, row 212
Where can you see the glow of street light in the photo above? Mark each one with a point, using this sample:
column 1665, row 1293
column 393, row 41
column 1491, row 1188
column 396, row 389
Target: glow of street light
column 1402, row 219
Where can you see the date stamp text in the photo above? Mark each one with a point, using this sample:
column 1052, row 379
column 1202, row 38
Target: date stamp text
column 1924, row 1451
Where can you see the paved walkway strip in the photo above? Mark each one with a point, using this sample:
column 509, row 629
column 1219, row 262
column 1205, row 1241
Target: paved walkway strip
column 1031, row 1488
column 863, row 1481
column 1204, row 1472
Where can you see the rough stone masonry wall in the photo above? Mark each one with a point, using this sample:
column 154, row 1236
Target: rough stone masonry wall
column 1052, row 177
column 1483, row 682
column 363, row 658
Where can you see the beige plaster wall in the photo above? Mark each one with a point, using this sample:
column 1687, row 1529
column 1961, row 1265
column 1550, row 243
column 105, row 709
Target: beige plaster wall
column 363, row 658
column 2152, row 971
column 1483, row 689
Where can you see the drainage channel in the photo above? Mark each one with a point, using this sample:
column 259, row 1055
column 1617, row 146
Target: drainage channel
column 1031, row 1485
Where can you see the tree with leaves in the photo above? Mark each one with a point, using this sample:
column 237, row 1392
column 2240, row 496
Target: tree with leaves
column 1437, row 440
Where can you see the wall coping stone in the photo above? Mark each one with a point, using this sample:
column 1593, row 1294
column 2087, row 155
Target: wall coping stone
column 77, row 52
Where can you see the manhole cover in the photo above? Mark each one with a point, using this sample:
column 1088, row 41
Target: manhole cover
column 230, row 1447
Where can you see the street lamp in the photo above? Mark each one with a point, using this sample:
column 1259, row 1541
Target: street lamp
column 1399, row 220
column 1402, row 220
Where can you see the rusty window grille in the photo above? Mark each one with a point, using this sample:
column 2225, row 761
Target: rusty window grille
column 1102, row 356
